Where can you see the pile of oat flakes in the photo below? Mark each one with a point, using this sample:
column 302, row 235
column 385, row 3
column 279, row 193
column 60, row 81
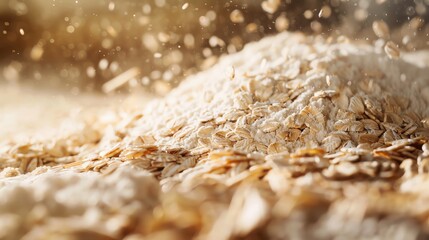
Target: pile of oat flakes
column 294, row 137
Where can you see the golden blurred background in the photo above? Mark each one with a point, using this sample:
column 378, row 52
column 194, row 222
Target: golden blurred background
column 79, row 45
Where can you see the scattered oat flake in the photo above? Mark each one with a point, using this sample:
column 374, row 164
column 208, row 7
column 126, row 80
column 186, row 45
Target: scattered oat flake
column 270, row 6
column 381, row 29
column 236, row 16
column 392, row 50
column 325, row 12
column 120, row 80
column 282, row 23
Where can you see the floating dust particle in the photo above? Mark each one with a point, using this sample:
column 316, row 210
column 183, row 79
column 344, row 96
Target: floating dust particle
column 308, row 14
column 91, row 72
column 207, row 52
column 325, row 12
column 237, row 41
column 161, row 87
column 421, row 8
column 406, row 40
column 103, row 64
column 112, row 31
column 214, row 41
column 163, row 37
column 107, row 43
column 211, row 15
column 160, row 3
column 270, row 6
column 282, row 23
column 316, row 26
column 252, row 28
column 150, row 42
column 381, row 29
column 111, row 6
column 185, row 6
column 392, row 50
column 361, row 14
column 189, row 41
column 380, row 1
column 236, row 16
column 155, row 75
column 37, row 52
column 147, row 9
column 204, row 21
column 231, row 48
column 70, row 29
